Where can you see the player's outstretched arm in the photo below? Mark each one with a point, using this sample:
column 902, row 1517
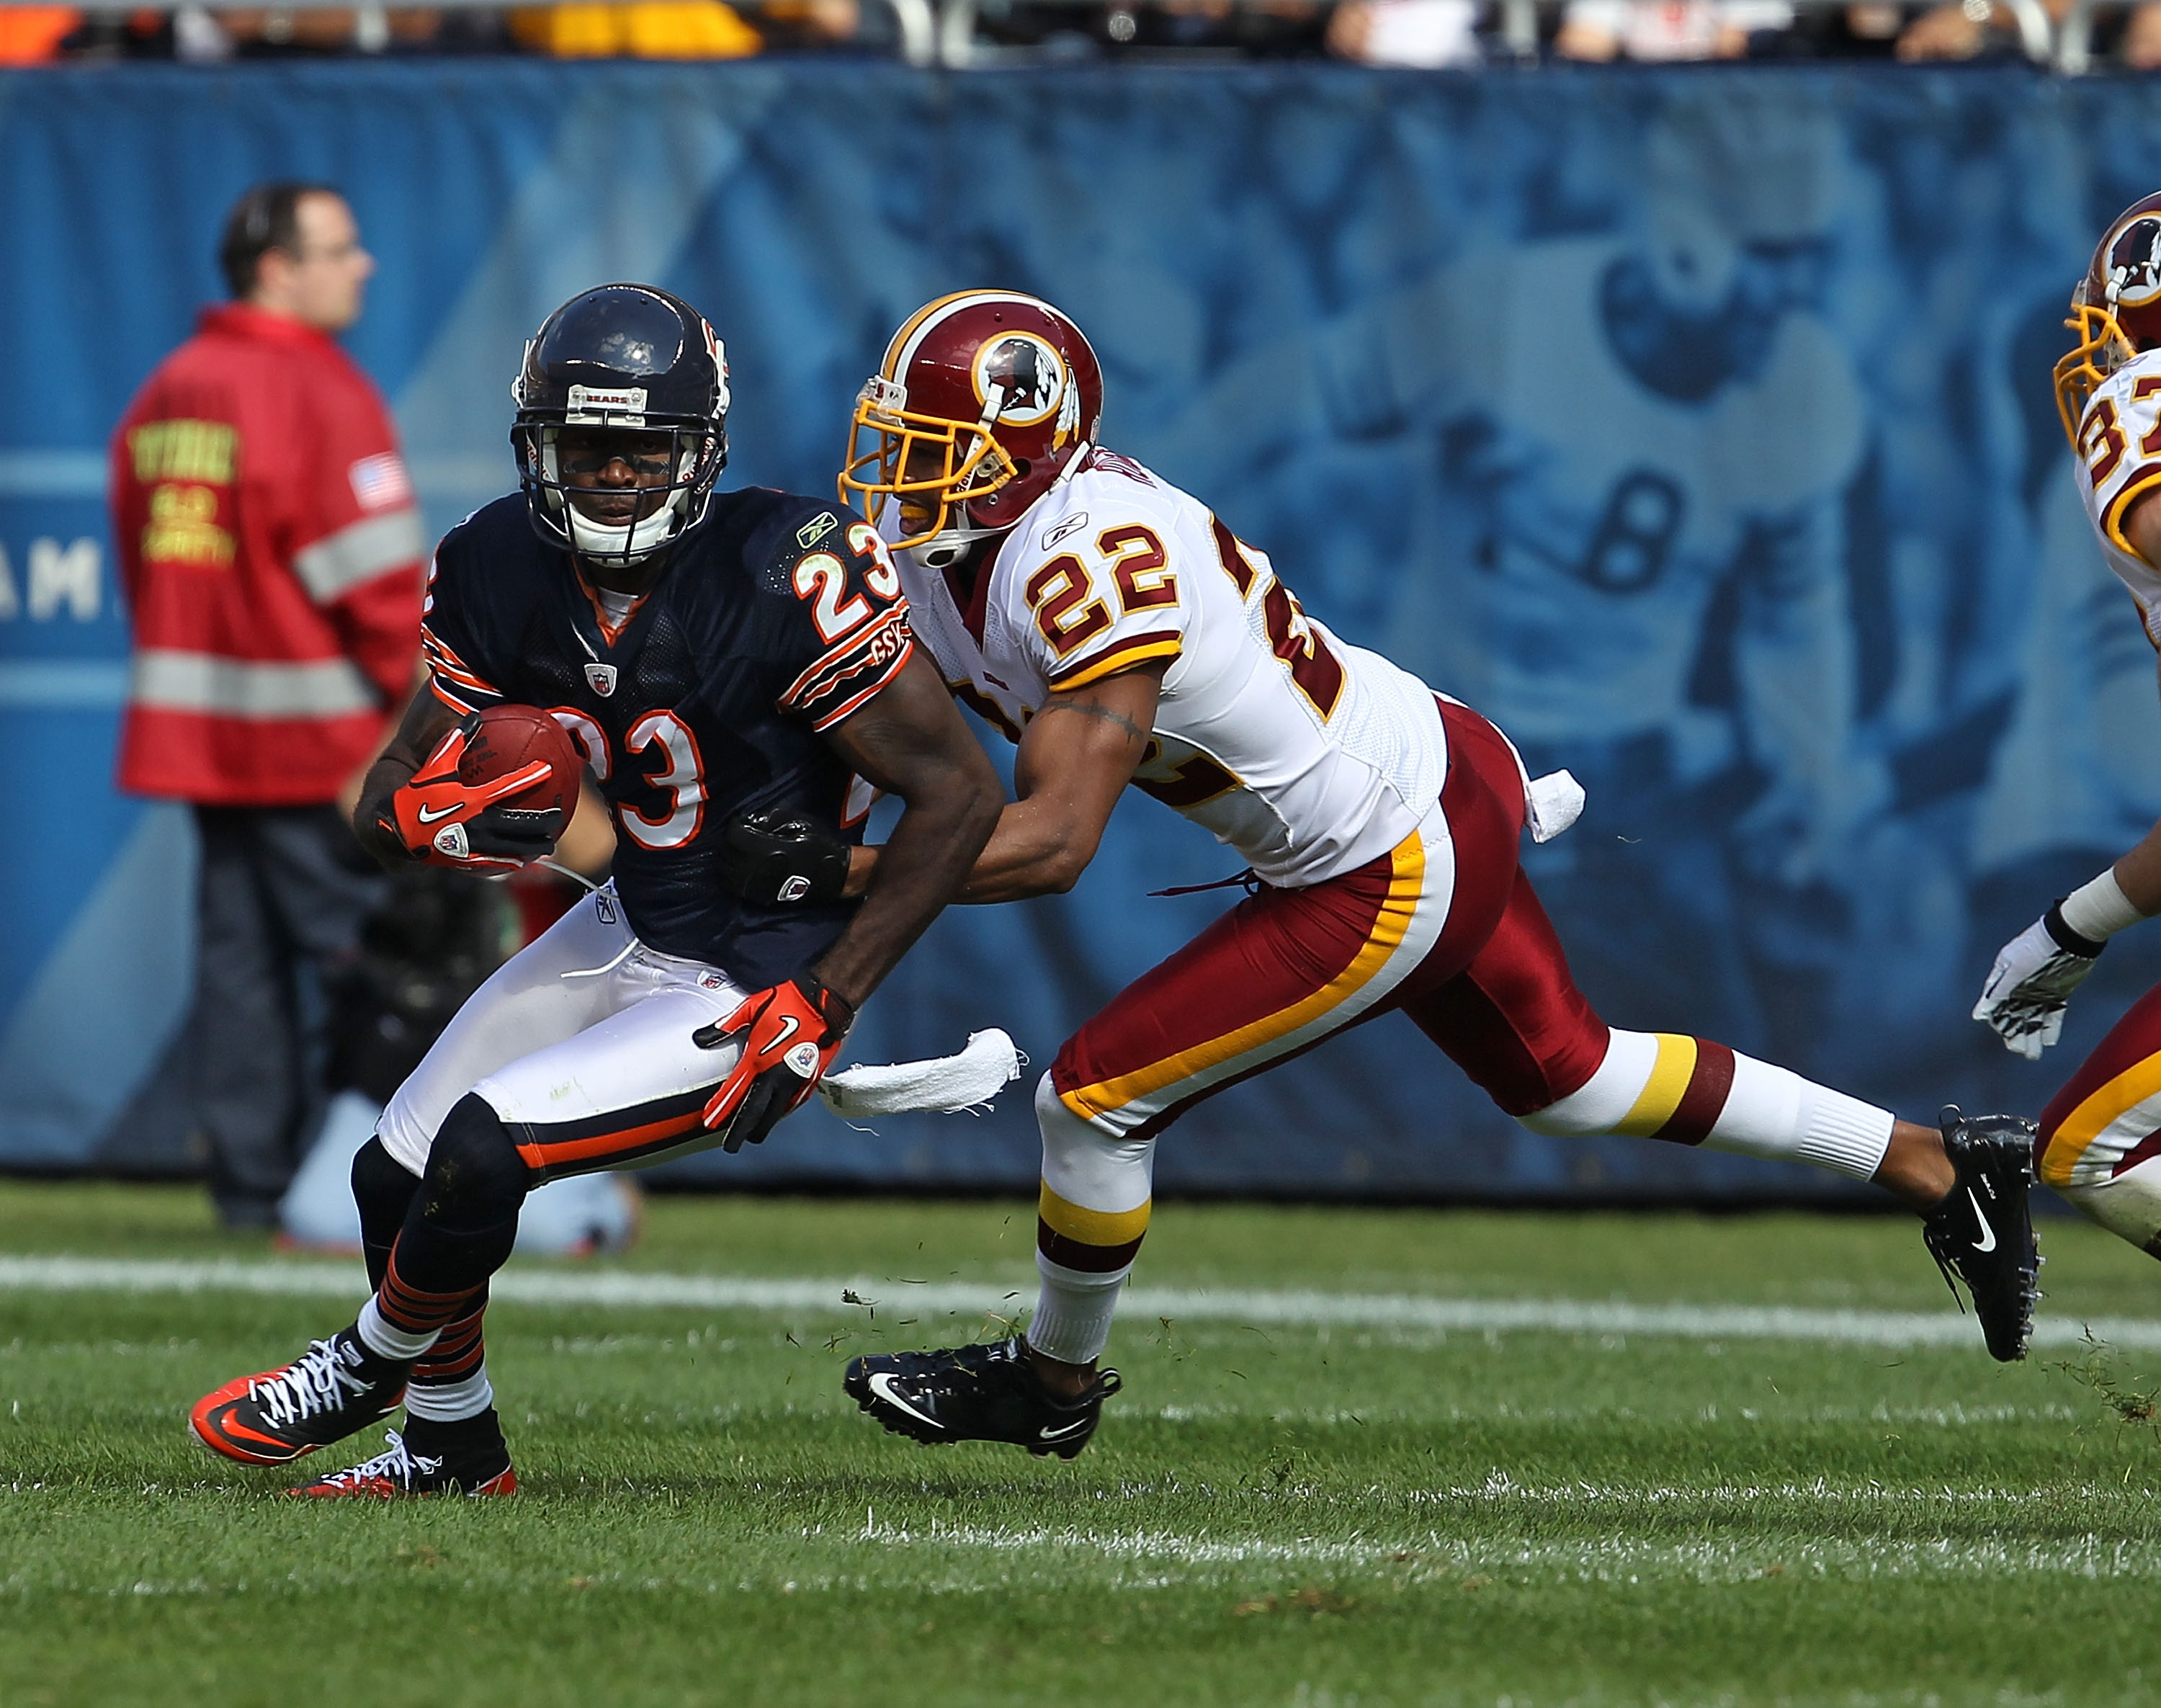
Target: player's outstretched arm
column 1075, row 758
column 2035, row 974
column 910, row 742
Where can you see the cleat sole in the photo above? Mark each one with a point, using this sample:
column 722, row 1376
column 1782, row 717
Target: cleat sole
column 382, row 1488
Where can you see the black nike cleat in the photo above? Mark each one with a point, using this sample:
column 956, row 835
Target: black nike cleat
column 976, row 1394
column 335, row 1389
column 1982, row 1233
column 402, row 1474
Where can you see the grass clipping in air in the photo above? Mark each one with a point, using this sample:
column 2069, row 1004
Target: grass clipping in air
column 1271, row 1513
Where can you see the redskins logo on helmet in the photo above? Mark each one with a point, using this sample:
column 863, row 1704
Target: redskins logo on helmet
column 982, row 403
column 1021, row 377
column 2116, row 308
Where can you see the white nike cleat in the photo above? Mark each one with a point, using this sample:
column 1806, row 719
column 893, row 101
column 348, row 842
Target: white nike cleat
column 1982, row 1234
column 976, row 1394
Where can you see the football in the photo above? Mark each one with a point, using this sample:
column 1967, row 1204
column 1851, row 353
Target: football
column 512, row 736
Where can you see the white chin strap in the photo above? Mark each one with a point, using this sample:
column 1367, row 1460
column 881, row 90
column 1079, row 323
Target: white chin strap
column 611, row 540
column 943, row 549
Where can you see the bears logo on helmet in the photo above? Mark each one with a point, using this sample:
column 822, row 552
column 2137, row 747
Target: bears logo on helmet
column 2116, row 308
column 983, row 401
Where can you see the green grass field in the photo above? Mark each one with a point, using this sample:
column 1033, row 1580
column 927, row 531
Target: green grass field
column 1294, row 1515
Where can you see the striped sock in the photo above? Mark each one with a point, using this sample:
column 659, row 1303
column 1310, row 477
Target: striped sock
column 450, row 1383
column 403, row 1321
column 1084, row 1257
column 1693, row 1091
column 1097, row 1186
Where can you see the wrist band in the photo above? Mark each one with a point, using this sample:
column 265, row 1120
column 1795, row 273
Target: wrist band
column 2065, row 938
column 2094, row 913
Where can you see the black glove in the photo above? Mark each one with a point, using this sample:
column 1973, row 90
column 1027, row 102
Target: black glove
column 767, row 857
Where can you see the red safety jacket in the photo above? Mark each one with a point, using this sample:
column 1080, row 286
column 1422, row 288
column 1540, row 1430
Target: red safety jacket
column 271, row 553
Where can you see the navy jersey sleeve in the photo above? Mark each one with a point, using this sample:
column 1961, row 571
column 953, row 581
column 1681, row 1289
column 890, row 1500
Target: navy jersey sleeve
column 834, row 612
column 453, row 638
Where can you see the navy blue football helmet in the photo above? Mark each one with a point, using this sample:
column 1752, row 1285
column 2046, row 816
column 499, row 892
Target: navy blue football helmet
column 630, row 360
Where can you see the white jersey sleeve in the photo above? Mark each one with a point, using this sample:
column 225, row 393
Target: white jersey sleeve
column 2119, row 462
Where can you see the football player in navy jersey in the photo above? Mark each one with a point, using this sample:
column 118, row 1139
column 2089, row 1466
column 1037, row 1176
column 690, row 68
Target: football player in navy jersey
column 738, row 659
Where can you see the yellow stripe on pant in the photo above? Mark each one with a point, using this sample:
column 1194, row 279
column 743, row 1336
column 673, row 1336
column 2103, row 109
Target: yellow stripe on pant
column 2087, row 1124
column 1392, row 924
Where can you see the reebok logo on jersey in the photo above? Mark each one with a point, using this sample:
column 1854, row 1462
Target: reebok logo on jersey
column 1051, row 536
column 816, row 529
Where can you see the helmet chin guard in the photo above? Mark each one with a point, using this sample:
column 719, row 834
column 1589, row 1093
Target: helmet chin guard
column 631, row 359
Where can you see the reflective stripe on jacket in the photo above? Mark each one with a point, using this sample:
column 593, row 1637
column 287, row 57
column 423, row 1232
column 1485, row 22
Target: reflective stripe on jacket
column 271, row 550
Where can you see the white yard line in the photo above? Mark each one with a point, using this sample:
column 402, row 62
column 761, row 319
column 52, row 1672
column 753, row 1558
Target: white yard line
column 897, row 1300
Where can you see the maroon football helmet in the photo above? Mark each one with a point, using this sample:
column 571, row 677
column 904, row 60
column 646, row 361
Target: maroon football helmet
column 2115, row 310
column 983, row 400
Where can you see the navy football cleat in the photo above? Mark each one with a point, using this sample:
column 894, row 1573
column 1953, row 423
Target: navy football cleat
column 1982, row 1233
column 976, row 1394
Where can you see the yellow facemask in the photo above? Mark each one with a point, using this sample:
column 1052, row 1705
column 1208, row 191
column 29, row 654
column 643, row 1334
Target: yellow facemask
column 930, row 464
column 2101, row 349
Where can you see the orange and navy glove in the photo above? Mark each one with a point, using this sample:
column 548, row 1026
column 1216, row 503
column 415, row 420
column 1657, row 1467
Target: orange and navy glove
column 790, row 1034
column 445, row 822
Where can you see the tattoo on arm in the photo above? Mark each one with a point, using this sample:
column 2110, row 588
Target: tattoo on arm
column 1095, row 709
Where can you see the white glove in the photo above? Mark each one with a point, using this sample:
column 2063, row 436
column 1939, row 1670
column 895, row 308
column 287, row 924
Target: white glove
column 2028, row 988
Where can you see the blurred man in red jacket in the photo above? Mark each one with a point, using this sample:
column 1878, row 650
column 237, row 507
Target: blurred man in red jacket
column 272, row 553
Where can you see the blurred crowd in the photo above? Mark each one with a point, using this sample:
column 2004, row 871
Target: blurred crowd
column 1429, row 33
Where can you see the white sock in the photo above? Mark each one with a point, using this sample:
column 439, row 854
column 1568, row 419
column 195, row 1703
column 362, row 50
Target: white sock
column 1073, row 1312
column 1841, row 1133
column 1652, row 1085
column 453, row 1402
column 1096, row 1190
column 385, row 1341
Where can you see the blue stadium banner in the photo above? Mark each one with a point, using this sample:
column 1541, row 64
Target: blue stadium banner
column 1694, row 425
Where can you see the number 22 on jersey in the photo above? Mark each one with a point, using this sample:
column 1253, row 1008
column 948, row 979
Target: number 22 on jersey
column 1058, row 592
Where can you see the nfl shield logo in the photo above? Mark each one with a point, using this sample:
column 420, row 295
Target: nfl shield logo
column 600, row 679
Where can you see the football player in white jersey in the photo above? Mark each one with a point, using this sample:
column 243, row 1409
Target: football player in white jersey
column 2100, row 1139
column 1120, row 633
